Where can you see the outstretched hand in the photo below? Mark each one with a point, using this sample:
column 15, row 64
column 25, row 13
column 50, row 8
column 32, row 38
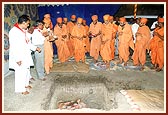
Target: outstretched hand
column 38, row 49
column 19, row 63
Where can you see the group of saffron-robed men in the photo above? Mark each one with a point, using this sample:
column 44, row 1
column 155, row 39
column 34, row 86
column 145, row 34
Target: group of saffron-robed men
column 72, row 39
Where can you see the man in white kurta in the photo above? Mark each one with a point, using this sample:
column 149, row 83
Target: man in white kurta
column 135, row 27
column 32, row 47
column 19, row 55
column 38, row 38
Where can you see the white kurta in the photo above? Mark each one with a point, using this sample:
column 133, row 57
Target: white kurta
column 19, row 51
column 134, row 27
column 38, row 40
column 37, row 37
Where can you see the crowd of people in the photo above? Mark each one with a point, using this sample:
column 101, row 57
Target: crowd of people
column 74, row 39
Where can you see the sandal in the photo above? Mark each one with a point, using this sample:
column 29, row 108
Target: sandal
column 43, row 79
column 32, row 79
column 29, row 87
column 25, row 93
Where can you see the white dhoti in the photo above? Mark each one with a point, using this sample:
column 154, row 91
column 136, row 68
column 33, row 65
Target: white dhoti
column 20, row 50
column 21, row 78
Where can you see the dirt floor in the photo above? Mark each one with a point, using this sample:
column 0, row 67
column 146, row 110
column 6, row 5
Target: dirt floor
column 98, row 88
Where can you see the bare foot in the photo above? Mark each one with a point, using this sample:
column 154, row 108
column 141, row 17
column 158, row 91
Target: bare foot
column 83, row 61
column 125, row 63
column 136, row 65
column 154, row 67
column 108, row 65
column 158, row 69
column 120, row 62
column 95, row 61
column 142, row 68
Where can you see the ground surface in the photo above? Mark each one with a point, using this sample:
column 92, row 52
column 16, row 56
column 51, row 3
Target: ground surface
column 41, row 97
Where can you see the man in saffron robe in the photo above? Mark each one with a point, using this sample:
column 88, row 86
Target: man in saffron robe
column 47, row 20
column 86, row 40
column 160, row 49
column 70, row 41
column 65, row 21
column 125, row 40
column 153, row 48
column 78, row 34
column 107, row 35
column 48, row 48
column 141, row 44
column 95, row 32
column 157, row 46
column 114, row 31
column 60, row 31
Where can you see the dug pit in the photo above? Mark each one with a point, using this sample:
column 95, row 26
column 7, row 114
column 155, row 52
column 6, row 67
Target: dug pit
column 97, row 92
